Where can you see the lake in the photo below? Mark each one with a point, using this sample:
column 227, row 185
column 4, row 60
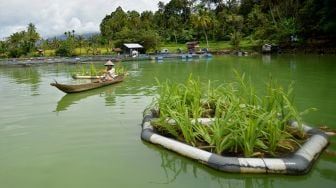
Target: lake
column 92, row 139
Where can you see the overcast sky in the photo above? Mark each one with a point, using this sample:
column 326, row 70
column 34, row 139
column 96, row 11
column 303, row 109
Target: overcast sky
column 54, row 17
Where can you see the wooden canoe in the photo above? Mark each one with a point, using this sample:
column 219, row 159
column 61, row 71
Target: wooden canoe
column 88, row 86
column 76, row 76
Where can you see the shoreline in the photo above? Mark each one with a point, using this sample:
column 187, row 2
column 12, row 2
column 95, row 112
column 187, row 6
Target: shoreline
column 83, row 59
column 56, row 59
column 28, row 61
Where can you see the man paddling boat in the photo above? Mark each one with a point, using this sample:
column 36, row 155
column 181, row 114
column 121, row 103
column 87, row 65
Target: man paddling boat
column 110, row 73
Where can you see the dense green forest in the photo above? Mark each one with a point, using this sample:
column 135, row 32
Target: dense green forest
column 288, row 23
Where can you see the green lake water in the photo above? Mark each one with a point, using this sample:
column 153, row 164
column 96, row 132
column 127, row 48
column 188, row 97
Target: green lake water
column 92, row 139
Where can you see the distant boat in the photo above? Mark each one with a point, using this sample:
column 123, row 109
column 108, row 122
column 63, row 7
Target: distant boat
column 88, row 86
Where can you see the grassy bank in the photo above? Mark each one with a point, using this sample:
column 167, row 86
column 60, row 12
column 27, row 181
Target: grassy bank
column 82, row 51
column 217, row 46
column 214, row 46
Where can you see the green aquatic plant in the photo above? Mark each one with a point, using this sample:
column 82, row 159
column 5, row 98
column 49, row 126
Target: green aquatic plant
column 242, row 122
column 120, row 69
column 82, row 70
column 93, row 70
column 85, row 70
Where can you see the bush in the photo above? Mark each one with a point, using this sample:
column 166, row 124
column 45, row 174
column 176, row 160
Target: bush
column 15, row 52
column 65, row 51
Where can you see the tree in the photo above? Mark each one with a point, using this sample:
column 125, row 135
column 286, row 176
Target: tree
column 133, row 20
column 55, row 43
column 67, row 46
column 23, row 42
column 46, row 44
column 176, row 17
column 32, row 36
column 173, row 26
column 93, row 42
column 317, row 18
column 203, row 22
column 16, row 40
column 17, row 44
column 113, row 23
column 235, row 39
column 3, row 48
column 179, row 8
column 237, row 23
column 147, row 20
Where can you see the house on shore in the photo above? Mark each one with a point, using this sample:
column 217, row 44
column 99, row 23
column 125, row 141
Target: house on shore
column 132, row 49
column 192, row 46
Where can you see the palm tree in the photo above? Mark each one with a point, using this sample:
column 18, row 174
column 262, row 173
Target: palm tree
column 16, row 39
column 31, row 36
column 203, row 21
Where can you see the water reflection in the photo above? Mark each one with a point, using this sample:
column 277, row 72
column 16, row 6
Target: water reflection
column 326, row 167
column 292, row 64
column 328, row 173
column 175, row 166
column 108, row 93
column 266, row 58
column 170, row 164
column 135, row 65
column 25, row 75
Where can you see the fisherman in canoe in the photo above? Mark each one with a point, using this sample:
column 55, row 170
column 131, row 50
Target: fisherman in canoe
column 109, row 78
column 110, row 73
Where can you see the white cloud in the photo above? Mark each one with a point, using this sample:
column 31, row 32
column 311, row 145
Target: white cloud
column 54, row 17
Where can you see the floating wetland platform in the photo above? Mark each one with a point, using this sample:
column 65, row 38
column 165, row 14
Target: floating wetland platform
column 297, row 163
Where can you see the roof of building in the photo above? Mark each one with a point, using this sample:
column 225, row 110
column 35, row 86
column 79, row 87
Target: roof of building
column 133, row 45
